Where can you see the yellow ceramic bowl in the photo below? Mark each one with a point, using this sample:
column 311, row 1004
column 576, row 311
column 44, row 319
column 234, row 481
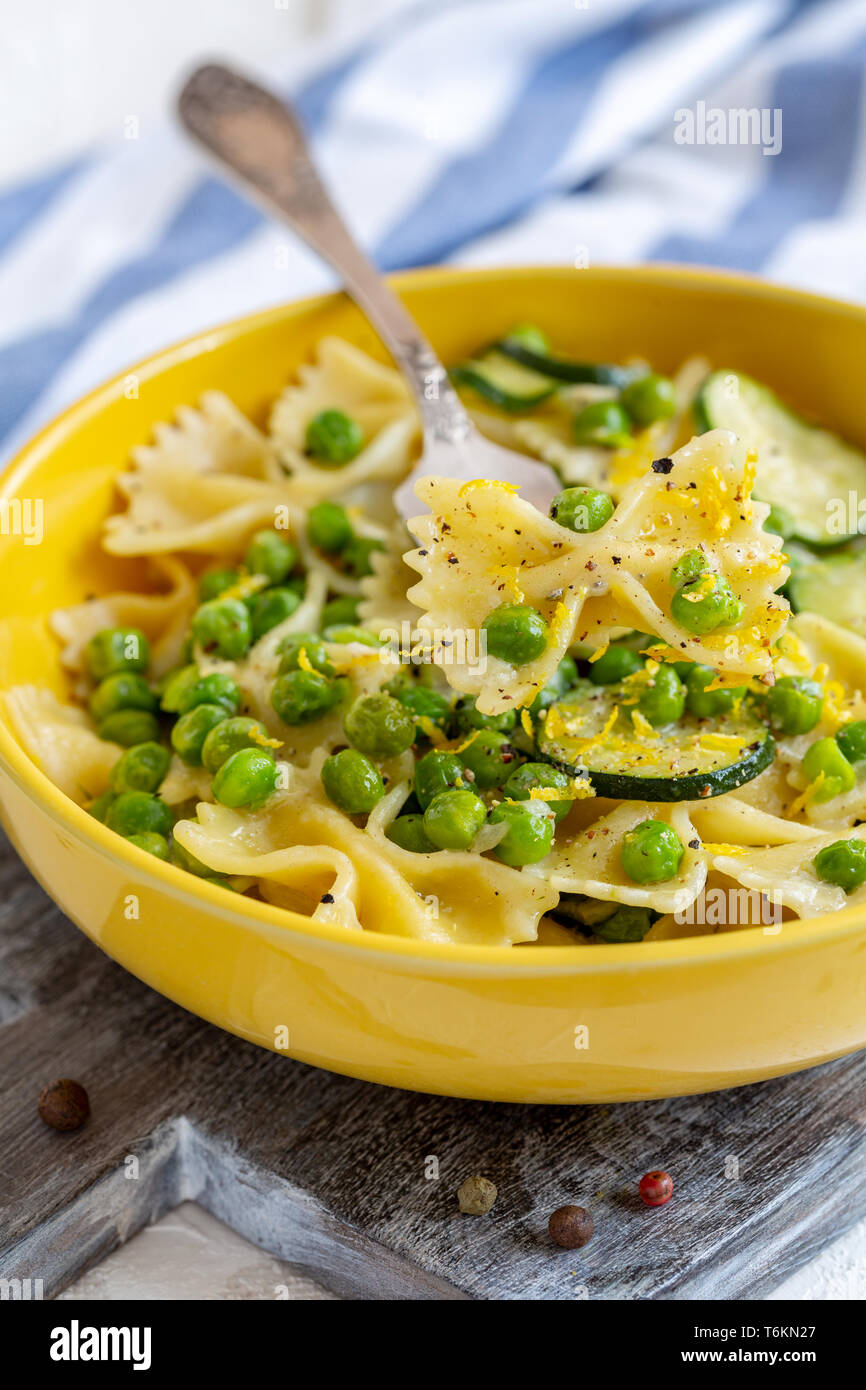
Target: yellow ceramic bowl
column 550, row 1023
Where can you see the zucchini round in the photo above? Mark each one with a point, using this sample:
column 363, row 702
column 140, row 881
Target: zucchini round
column 563, row 368
column 503, row 382
column 687, row 761
column 807, row 474
column 832, row 585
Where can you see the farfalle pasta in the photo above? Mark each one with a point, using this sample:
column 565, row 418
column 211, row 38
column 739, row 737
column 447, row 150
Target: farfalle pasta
column 499, row 727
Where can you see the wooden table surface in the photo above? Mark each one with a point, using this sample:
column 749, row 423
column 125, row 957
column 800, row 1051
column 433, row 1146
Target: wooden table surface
column 355, row 1184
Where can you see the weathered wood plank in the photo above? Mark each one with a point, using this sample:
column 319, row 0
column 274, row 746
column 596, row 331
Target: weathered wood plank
column 333, row 1175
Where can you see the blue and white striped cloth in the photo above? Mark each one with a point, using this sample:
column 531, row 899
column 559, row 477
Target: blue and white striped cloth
column 475, row 131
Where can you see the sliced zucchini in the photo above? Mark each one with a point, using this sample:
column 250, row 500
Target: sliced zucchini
column 503, row 382
column 691, row 759
column 832, row 585
column 564, row 368
column 806, row 474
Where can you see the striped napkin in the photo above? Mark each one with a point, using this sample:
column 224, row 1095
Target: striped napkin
column 728, row 132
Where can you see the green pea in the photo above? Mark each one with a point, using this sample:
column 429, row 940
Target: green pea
column 344, row 633
column 352, row 781
column 706, row 704
column 128, row 727
column 530, row 776
column 136, row 813
column 356, row 555
column 627, row 923
column 582, row 509
column 189, row 688
column 825, row 756
column 334, row 438
column 794, row 705
column 152, row 843
column 516, row 633
column 602, row 422
column 339, row 611
column 426, row 707
column 300, row 697
column 528, row 336
column 141, row 769
column 229, row 737
column 213, row 583
column 191, row 730
column 435, row 773
column 314, row 654
column 650, row 398
column 852, row 740
column 705, row 604
column 615, row 665
column 408, row 832
column 842, row 863
column 223, row 626
column 123, row 690
column 468, row 716
column 247, row 778
column 117, row 649
column 98, row 808
column 272, row 555
column 663, row 700
column 272, row 608
column 651, row 853
column 490, row 758
column 329, row 527
column 379, row 726
column 454, row 818
column 689, row 566
column 529, row 833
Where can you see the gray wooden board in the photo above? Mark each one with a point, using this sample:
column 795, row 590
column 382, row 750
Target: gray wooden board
column 333, row 1175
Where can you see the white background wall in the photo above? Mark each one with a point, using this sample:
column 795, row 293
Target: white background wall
column 71, row 71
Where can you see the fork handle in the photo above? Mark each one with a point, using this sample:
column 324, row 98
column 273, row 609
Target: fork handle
column 259, row 140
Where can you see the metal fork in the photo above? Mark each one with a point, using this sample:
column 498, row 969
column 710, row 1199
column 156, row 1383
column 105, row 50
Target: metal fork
column 259, row 141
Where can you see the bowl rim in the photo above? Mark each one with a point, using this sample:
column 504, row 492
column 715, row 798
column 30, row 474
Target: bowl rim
column 280, row 925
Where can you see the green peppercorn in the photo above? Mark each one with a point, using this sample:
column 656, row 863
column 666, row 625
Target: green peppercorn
column 246, row 778
column 408, row 833
column 229, row 737
column 334, row 438
column 352, row 781
column 824, row 763
column 516, row 633
column 582, row 509
column 651, row 852
column 663, row 700
column 529, row 836
column 454, row 818
column 300, row 697
column 842, row 863
column 650, row 398
column 794, row 705
column 435, row 773
column 191, row 730
column 136, row 813
column 223, row 626
column 141, row 769
column 379, row 726
column 117, row 649
column 272, row 555
column 329, row 528
column 614, row 665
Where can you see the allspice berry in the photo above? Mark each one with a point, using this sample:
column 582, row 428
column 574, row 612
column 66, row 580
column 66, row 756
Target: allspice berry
column 476, row 1196
column 571, row 1227
column 64, row 1105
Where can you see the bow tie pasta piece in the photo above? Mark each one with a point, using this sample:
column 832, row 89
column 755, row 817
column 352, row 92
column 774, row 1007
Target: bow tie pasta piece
column 205, row 512
column 730, row 820
column 215, row 438
column 786, row 874
column 482, row 547
column 590, row 862
column 61, row 741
